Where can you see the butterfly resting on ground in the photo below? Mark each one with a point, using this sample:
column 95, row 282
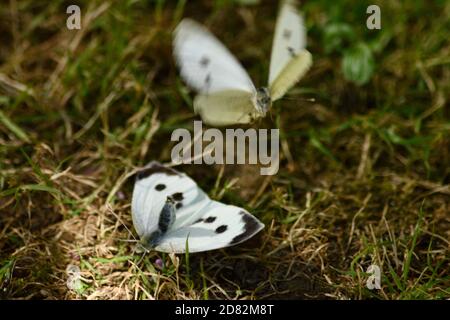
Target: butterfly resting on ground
column 226, row 94
column 169, row 209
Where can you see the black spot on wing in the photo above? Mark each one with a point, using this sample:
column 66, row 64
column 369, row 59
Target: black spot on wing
column 251, row 225
column 210, row 219
column 155, row 168
column 221, row 229
column 198, row 221
column 204, row 61
column 177, row 196
column 160, row 187
column 291, row 51
column 178, row 205
column 287, row 34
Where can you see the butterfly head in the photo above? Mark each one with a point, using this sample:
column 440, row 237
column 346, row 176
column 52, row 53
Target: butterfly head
column 170, row 200
column 263, row 100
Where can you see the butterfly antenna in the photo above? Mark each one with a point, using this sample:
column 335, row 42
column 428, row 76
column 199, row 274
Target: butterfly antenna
column 128, row 240
column 143, row 255
column 134, row 240
column 301, row 99
column 129, row 231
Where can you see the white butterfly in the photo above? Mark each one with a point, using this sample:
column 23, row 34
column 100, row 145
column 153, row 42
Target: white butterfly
column 226, row 94
column 169, row 209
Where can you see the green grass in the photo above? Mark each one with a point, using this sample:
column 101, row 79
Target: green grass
column 365, row 152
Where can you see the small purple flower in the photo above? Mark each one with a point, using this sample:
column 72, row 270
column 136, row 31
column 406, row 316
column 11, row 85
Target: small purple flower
column 159, row 263
column 120, row 195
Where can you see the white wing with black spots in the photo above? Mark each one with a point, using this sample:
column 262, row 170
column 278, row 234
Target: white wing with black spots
column 289, row 39
column 169, row 208
column 152, row 187
column 205, row 63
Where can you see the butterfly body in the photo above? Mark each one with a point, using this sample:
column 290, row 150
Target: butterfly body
column 226, row 94
column 169, row 209
column 263, row 100
column 166, row 220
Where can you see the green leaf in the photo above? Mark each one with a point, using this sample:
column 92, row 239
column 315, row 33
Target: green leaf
column 358, row 64
column 30, row 187
column 337, row 36
column 14, row 128
column 316, row 143
column 6, row 270
column 381, row 41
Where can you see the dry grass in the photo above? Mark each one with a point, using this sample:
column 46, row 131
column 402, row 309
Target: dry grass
column 364, row 177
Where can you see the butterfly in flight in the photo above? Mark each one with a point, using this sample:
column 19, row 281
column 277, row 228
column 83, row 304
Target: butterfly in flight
column 225, row 93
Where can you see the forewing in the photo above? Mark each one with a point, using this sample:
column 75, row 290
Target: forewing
column 205, row 63
column 289, row 43
column 152, row 187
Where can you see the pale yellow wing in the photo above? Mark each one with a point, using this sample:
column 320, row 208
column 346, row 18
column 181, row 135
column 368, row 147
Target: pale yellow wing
column 226, row 107
column 289, row 38
column 289, row 60
column 290, row 74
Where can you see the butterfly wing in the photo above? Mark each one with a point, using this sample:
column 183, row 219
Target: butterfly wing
column 226, row 107
column 205, row 63
column 293, row 72
column 217, row 225
column 205, row 223
column 289, row 60
column 152, row 187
